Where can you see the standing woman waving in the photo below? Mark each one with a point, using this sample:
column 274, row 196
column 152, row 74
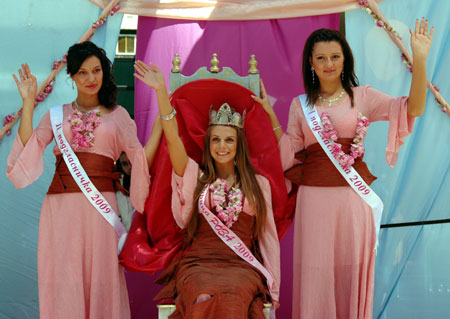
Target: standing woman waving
column 336, row 226
column 79, row 275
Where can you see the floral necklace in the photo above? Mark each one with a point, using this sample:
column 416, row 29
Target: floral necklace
column 83, row 131
column 228, row 201
column 356, row 148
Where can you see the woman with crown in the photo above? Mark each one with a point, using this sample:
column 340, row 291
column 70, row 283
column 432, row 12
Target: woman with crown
column 225, row 209
column 336, row 226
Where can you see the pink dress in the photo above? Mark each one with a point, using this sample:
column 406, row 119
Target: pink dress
column 79, row 275
column 182, row 201
column 334, row 233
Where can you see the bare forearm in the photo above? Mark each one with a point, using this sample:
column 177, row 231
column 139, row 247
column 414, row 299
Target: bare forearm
column 170, row 127
column 26, row 122
column 153, row 142
column 420, row 46
column 177, row 152
column 277, row 129
column 418, row 90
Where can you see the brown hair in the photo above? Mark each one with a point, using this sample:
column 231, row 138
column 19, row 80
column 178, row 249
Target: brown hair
column 349, row 79
column 249, row 184
column 78, row 53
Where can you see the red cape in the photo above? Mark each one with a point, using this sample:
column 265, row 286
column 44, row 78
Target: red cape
column 154, row 238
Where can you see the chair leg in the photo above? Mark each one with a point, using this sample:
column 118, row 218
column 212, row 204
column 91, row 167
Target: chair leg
column 164, row 311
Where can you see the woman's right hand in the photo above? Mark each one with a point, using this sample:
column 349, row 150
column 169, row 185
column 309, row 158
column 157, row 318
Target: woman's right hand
column 26, row 84
column 154, row 77
column 150, row 75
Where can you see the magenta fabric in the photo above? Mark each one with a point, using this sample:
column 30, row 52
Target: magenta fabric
column 278, row 46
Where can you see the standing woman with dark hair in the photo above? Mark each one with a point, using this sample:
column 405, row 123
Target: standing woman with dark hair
column 210, row 279
column 78, row 271
column 336, row 225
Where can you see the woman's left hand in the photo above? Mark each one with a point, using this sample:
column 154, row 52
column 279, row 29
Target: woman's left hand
column 421, row 39
column 264, row 99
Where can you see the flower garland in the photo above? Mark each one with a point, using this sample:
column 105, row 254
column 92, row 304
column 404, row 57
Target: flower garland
column 83, row 133
column 228, row 201
column 356, row 148
column 8, row 119
column 101, row 21
column 47, row 87
column 378, row 20
column 371, row 8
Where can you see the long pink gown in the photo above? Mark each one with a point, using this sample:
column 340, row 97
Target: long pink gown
column 334, row 233
column 79, row 275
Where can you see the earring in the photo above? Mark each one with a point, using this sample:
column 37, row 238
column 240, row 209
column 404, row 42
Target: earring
column 312, row 71
column 73, row 88
column 342, row 75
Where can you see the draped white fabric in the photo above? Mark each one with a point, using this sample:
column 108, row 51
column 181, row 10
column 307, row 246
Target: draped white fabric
column 232, row 9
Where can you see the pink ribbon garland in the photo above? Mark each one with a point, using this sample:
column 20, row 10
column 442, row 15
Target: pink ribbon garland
column 47, row 86
column 372, row 8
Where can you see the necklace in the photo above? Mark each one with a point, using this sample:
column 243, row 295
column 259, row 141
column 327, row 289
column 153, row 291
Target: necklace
column 331, row 101
column 78, row 107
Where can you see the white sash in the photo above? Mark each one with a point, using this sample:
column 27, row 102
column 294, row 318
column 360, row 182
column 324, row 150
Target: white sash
column 350, row 174
column 231, row 239
column 82, row 179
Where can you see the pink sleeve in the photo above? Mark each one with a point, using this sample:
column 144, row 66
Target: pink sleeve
column 183, row 188
column 293, row 140
column 383, row 107
column 268, row 242
column 25, row 163
column 140, row 176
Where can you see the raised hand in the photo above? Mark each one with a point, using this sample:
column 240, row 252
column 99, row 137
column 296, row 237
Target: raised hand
column 26, row 84
column 149, row 74
column 264, row 99
column 421, row 39
column 267, row 106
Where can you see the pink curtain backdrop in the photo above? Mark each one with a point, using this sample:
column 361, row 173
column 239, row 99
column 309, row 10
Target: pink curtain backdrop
column 278, row 46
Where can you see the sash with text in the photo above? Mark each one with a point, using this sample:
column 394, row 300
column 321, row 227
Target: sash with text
column 350, row 174
column 231, row 239
column 82, row 179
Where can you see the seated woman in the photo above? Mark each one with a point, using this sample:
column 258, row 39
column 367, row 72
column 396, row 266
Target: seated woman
column 210, row 279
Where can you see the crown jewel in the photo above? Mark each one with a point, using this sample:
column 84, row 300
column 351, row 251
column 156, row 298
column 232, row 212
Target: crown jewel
column 226, row 116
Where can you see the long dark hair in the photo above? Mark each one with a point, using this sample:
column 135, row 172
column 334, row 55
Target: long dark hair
column 349, row 80
column 249, row 184
column 78, row 53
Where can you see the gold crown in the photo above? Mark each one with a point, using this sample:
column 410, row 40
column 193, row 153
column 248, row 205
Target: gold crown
column 226, row 116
